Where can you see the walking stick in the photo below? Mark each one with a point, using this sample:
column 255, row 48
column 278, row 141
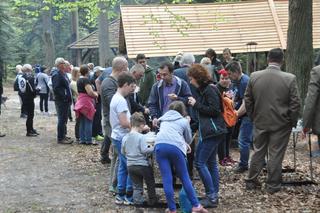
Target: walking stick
column 310, row 155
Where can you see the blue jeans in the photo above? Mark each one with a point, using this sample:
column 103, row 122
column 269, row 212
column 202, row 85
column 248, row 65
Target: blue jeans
column 207, row 166
column 85, row 129
column 62, row 109
column 245, row 140
column 124, row 181
column 169, row 155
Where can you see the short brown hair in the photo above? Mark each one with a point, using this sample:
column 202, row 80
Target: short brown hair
column 84, row 69
column 137, row 119
column 179, row 107
column 200, row 74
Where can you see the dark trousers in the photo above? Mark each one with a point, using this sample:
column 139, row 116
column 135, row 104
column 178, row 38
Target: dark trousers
column 274, row 144
column 224, row 146
column 138, row 174
column 77, row 128
column 104, row 151
column 96, row 126
column 44, row 102
column 23, row 111
column 62, row 109
column 28, row 105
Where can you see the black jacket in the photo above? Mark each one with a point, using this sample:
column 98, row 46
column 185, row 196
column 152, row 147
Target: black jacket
column 61, row 88
column 208, row 108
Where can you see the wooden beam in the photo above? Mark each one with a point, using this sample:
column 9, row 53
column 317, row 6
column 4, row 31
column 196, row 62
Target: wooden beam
column 277, row 23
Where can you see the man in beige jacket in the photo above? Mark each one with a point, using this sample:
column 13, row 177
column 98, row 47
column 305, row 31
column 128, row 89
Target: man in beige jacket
column 272, row 102
column 311, row 112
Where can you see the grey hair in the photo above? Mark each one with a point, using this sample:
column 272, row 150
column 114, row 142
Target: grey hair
column 205, row 61
column 26, row 67
column 137, row 68
column 18, row 68
column 59, row 61
column 187, row 59
column 119, row 64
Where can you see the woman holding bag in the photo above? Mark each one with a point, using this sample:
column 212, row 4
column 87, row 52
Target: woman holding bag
column 211, row 129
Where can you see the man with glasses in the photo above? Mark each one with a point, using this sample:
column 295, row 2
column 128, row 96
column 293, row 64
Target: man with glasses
column 170, row 88
column 63, row 99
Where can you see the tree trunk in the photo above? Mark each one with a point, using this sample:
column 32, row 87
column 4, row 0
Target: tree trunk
column 299, row 55
column 75, row 53
column 103, row 31
column 49, row 47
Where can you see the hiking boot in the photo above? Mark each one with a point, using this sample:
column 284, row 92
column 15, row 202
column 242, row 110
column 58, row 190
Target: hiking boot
column 209, row 203
column 199, row 209
column 240, row 169
column 31, row 134
column 99, row 138
column 120, row 199
column 252, row 184
column 272, row 190
column 106, row 160
column 65, row 141
column 35, row 132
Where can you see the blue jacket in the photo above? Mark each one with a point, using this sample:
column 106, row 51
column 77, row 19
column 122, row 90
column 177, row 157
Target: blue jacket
column 156, row 100
column 61, row 88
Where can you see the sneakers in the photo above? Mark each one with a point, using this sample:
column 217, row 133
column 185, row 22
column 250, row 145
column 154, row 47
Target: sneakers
column 2, row 135
column 209, row 203
column 99, row 138
column 229, row 160
column 168, row 211
column 199, row 209
column 240, row 169
column 128, row 201
column 124, row 200
column 112, row 190
column 120, row 199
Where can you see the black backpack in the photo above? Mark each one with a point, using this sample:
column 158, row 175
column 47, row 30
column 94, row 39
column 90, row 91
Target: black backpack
column 16, row 84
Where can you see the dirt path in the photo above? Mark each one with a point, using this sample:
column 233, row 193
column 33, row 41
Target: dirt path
column 38, row 175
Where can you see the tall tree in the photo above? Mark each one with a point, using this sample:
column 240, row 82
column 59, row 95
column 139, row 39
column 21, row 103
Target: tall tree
column 103, row 34
column 299, row 55
column 47, row 37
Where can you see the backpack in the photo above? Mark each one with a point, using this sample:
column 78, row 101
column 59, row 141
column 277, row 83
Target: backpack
column 16, row 84
column 26, row 85
column 229, row 114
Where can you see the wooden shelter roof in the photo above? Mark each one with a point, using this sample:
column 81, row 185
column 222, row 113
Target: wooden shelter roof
column 164, row 30
column 91, row 40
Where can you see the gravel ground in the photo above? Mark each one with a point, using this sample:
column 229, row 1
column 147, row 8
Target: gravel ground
column 38, row 175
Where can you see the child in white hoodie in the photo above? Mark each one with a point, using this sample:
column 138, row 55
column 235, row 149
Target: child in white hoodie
column 172, row 144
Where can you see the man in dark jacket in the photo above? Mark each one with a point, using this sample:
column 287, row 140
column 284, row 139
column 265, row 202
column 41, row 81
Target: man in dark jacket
column 148, row 79
column 63, row 99
column 311, row 112
column 170, row 88
column 28, row 93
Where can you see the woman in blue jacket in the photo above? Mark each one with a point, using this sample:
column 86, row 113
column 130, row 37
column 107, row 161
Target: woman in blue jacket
column 211, row 130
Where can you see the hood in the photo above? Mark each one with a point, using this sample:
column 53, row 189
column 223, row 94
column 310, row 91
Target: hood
column 148, row 69
column 171, row 115
column 54, row 71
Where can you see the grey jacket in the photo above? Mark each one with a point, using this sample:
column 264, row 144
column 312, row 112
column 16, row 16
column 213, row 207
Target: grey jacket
column 311, row 112
column 109, row 87
column 174, row 130
column 272, row 99
column 135, row 148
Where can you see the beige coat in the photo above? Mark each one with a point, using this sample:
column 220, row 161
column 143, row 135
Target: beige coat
column 272, row 99
column 311, row 112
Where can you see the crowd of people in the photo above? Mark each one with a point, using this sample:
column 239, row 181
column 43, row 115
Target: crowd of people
column 182, row 103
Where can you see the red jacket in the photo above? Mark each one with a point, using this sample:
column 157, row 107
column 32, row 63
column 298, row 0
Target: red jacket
column 85, row 106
